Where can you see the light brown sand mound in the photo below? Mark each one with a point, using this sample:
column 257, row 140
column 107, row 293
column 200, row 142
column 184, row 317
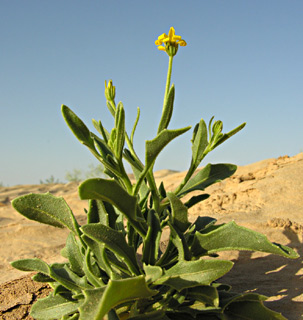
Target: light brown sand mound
column 266, row 196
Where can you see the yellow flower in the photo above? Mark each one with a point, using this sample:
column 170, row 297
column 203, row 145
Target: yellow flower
column 170, row 40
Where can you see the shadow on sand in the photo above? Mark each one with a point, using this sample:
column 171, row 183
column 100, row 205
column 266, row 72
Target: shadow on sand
column 272, row 276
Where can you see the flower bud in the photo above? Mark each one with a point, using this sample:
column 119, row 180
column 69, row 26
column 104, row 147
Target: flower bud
column 110, row 91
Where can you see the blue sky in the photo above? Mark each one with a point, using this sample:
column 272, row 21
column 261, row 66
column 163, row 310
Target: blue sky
column 243, row 63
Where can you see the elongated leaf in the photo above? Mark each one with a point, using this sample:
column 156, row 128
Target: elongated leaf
column 112, row 192
column 167, row 109
column 99, row 302
column 196, row 199
column 226, row 136
column 178, row 239
column 206, row 294
column 47, row 209
column 251, row 310
column 199, row 143
column 115, row 241
column 154, row 147
column 120, row 127
column 77, row 126
column 54, row 307
column 152, row 240
column 188, row 274
column 230, row 236
column 209, row 175
column 74, row 255
column 41, row 266
column 179, row 212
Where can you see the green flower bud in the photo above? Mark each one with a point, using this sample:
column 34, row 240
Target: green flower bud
column 110, row 91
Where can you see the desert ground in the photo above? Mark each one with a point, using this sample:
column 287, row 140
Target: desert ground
column 266, row 196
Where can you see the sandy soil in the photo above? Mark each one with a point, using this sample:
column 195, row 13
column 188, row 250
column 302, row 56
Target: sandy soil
column 266, row 196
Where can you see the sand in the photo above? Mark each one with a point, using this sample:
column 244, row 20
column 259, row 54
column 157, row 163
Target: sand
column 266, row 196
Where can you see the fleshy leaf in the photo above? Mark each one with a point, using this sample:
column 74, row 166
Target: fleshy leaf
column 199, row 143
column 112, row 192
column 167, row 109
column 115, row 241
column 230, row 236
column 152, row 239
column 99, row 302
column 41, row 266
column 179, row 212
column 187, row 274
column 54, row 307
column 74, row 255
column 209, row 175
column 77, row 126
column 47, row 209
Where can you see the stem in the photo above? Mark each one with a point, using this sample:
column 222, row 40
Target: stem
column 170, row 65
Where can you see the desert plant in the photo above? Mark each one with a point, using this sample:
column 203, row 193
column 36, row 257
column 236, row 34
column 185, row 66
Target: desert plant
column 75, row 175
column 115, row 267
column 50, row 180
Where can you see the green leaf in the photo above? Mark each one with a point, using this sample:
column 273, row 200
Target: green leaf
column 226, row 136
column 199, row 143
column 152, row 239
column 120, row 134
column 47, row 209
column 206, row 294
column 167, row 110
column 155, row 146
column 209, row 175
column 59, row 275
column 187, row 274
column 178, row 239
column 77, row 126
column 230, row 236
column 54, row 307
column 179, row 212
column 152, row 273
column 99, row 127
column 115, row 241
column 135, row 126
column 110, row 191
column 100, row 301
column 247, row 306
column 74, row 255
column 196, row 199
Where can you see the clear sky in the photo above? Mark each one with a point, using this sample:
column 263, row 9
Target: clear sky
column 243, row 63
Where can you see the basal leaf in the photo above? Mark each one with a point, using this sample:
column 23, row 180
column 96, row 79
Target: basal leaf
column 54, row 307
column 99, row 302
column 230, row 236
column 209, row 175
column 47, row 209
column 115, row 241
column 251, row 310
column 188, row 274
column 206, row 294
column 40, row 266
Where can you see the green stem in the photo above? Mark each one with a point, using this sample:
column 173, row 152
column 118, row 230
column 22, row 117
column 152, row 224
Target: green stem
column 168, row 78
